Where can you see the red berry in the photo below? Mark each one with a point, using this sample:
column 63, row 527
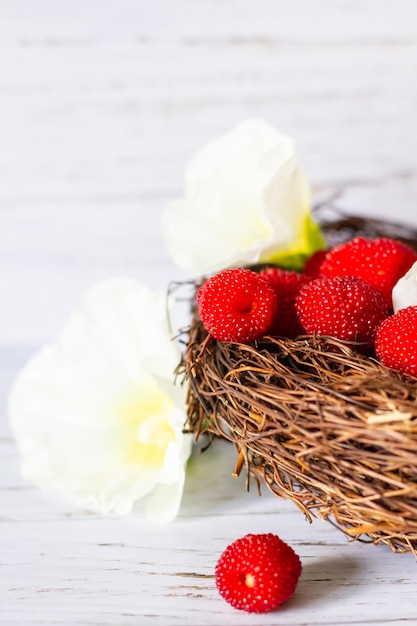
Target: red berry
column 257, row 573
column 286, row 286
column 313, row 265
column 236, row 305
column 378, row 262
column 343, row 307
column 396, row 341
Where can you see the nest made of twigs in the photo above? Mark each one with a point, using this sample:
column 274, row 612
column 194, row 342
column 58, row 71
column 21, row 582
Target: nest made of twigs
column 330, row 428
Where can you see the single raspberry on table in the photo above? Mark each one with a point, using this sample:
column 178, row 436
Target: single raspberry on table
column 236, row 305
column 257, row 573
column 378, row 262
column 344, row 307
column 396, row 341
column 286, row 286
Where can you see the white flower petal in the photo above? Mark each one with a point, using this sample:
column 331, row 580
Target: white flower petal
column 96, row 415
column 404, row 293
column 164, row 503
column 246, row 198
column 289, row 190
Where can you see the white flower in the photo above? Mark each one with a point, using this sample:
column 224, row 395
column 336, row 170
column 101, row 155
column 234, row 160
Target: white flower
column 247, row 200
column 404, row 293
column 97, row 416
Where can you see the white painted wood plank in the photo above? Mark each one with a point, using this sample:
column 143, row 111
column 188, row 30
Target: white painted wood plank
column 73, row 568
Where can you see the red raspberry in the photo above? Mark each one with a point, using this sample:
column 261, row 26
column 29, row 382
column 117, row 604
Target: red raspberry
column 236, row 305
column 257, row 573
column 313, row 265
column 396, row 341
column 378, row 262
column 286, row 286
column 343, row 307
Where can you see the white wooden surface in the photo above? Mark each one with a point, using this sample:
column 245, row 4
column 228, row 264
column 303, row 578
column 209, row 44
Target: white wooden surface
column 101, row 104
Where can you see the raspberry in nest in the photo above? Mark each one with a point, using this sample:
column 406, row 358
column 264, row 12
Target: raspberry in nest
column 286, row 286
column 313, row 264
column 396, row 341
column 344, row 307
column 378, row 262
column 236, row 305
column 257, row 573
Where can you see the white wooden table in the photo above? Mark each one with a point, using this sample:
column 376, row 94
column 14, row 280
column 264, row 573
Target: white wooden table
column 101, row 105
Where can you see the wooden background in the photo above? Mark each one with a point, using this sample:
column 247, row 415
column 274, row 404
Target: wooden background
column 101, row 105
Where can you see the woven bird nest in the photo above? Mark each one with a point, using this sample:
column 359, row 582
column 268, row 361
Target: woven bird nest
column 333, row 430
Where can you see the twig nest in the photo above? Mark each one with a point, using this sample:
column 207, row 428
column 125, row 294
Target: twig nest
column 320, row 423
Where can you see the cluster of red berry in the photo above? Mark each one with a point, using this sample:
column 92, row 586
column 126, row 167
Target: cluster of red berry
column 344, row 292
